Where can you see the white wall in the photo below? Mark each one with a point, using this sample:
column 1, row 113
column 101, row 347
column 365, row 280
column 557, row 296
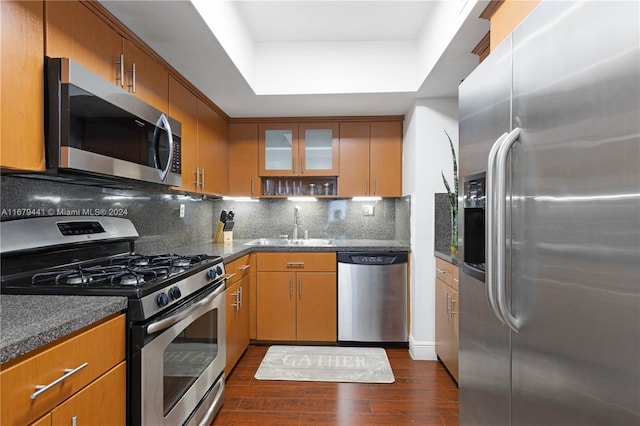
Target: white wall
column 426, row 155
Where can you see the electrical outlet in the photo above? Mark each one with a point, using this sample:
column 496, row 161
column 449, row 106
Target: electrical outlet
column 181, row 210
column 368, row 210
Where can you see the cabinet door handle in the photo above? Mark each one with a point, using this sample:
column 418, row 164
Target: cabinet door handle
column 252, row 186
column 290, row 287
column 235, row 303
column 302, row 160
column 132, row 85
column 451, row 310
column 300, row 286
column 366, row 186
column 374, row 186
column 74, row 421
column 202, row 179
column 293, row 165
column 446, row 303
column 241, row 296
column 120, row 77
column 197, row 177
column 40, row 389
column 295, row 264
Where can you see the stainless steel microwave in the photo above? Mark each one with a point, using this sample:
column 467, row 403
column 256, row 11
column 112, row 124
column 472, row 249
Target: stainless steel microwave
column 94, row 129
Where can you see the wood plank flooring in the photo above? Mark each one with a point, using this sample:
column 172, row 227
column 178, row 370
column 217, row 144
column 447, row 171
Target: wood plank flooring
column 423, row 394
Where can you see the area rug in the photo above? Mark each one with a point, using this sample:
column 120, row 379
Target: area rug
column 326, row 364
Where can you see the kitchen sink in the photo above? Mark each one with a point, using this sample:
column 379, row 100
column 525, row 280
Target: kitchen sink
column 311, row 242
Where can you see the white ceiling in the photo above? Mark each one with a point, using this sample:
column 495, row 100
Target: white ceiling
column 267, row 58
column 314, row 21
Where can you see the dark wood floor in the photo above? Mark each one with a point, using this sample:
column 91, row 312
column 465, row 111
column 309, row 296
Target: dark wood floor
column 423, row 394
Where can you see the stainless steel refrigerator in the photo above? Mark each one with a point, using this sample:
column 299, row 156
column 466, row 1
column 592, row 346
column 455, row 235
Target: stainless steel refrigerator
column 550, row 222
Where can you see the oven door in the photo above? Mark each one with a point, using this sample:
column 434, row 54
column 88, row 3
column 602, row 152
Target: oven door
column 182, row 366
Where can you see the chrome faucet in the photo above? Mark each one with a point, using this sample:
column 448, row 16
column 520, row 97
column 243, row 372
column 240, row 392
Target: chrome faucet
column 296, row 218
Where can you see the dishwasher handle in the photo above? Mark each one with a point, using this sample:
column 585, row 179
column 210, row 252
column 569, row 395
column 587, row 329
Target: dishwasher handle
column 373, row 258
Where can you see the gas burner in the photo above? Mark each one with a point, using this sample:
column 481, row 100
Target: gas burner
column 181, row 263
column 78, row 279
column 128, row 279
column 142, row 261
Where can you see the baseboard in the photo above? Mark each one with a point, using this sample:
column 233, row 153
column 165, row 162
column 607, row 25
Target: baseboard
column 422, row 350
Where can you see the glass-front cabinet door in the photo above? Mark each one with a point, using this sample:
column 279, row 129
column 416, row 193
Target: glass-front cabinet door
column 305, row 149
column 319, row 149
column 279, row 149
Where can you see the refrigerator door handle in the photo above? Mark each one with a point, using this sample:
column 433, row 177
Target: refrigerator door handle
column 490, row 227
column 501, row 228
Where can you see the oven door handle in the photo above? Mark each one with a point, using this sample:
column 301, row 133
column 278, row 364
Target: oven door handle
column 165, row 323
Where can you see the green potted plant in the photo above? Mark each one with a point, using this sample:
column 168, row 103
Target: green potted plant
column 453, row 198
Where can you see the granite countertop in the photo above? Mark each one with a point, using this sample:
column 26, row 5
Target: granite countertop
column 448, row 256
column 28, row 322
column 237, row 248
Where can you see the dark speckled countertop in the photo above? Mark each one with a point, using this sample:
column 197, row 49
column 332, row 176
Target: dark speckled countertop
column 238, row 248
column 448, row 256
column 28, row 322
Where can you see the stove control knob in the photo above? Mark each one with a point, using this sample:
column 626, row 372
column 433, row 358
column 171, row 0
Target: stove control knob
column 175, row 293
column 211, row 274
column 219, row 270
column 162, row 299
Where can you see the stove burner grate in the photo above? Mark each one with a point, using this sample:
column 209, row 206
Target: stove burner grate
column 110, row 276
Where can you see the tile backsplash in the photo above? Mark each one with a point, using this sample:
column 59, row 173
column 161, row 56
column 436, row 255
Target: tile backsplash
column 442, row 223
column 156, row 216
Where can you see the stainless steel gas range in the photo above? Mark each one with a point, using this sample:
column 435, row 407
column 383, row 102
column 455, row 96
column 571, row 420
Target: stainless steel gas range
column 176, row 311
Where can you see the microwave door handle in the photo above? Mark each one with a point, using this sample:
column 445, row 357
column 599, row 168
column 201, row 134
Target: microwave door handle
column 501, row 228
column 163, row 123
column 490, row 227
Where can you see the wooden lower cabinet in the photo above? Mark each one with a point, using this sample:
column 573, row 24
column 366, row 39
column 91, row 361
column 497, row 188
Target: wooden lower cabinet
column 238, row 309
column 299, row 304
column 102, row 379
column 102, row 399
column 446, row 297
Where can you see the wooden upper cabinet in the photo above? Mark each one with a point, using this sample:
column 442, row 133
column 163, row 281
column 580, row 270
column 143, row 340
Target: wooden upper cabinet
column 505, row 16
column 213, row 134
column 243, row 160
column 278, row 149
column 371, row 159
column 73, row 31
column 318, row 150
column 298, row 149
column 22, row 86
column 354, row 166
column 145, row 77
column 183, row 107
column 385, row 159
column 76, row 32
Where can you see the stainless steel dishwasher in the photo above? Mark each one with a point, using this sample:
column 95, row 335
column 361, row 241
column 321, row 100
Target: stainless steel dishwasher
column 372, row 297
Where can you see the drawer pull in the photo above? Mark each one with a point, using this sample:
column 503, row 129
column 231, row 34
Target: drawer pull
column 229, row 276
column 244, row 267
column 440, row 271
column 295, row 264
column 68, row 373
